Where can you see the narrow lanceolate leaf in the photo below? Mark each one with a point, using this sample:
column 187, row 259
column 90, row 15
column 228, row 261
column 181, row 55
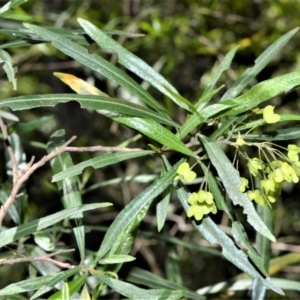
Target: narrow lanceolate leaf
column 132, row 292
column 73, row 287
column 162, row 211
column 96, row 102
column 263, row 91
column 225, row 64
column 214, row 235
column 156, row 132
column 149, row 279
column 47, row 281
column 10, row 235
column 68, row 187
column 99, row 162
column 200, row 117
column 11, row 4
column 260, row 64
column 59, row 277
column 10, row 71
column 231, row 181
column 277, row 135
column 238, row 231
column 134, row 64
column 97, row 64
column 133, row 208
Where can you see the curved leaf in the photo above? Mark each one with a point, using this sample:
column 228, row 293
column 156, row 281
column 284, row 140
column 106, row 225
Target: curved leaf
column 231, row 181
column 238, row 231
column 8, row 67
column 260, row 64
column 96, row 102
column 132, row 292
column 134, row 64
column 99, row 162
column 68, row 187
column 277, row 135
column 10, row 235
column 224, row 65
column 198, row 118
column 156, row 132
column 46, row 283
column 133, row 208
column 149, row 279
column 214, row 235
column 263, row 91
column 97, row 64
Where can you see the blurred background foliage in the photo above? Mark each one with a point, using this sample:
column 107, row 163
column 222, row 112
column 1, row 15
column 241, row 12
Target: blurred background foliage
column 184, row 40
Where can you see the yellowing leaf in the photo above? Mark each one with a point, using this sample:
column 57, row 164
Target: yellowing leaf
column 78, row 85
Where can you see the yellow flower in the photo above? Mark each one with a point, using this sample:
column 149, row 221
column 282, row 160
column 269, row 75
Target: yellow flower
column 245, row 184
column 293, row 152
column 269, row 115
column 239, row 141
column 202, row 203
column 259, row 198
column 254, row 165
column 184, row 171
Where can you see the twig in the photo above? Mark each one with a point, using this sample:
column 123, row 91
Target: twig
column 101, row 149
column 20, row 177
column 46, row 257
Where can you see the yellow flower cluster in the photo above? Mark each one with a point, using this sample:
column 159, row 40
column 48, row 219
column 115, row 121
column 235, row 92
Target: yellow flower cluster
column 184, row 172
column 274, row 173
column 202, row 203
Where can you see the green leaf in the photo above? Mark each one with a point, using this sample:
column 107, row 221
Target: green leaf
column 10, row 71
column 116, row 259
column 30, row 126
column 225, row 64
column 226, row 171
column 73, row 34
column 214, row 235
column 133, row 208
column 263, row 91
column 134, row 64
column 238, row 230
column 148, row 279
column 11, row 4
column 62, row 276
column 198, row 118
column 97, row 64
column 277, row 135
column 73, row 287
column 246, row 284
column 264, row 247
column 203, row 100
column 68, row 187
column 99, row 162
column 43, row 240
column 162, row 210
column 36, row 283
column 260, row 64
column 156, row 132
column 95, row 102
column 132, row 292
column 8, row 236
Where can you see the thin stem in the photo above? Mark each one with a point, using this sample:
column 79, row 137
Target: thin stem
column 46, row 257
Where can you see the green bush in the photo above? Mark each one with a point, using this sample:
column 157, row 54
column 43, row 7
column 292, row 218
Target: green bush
column 228, row 156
